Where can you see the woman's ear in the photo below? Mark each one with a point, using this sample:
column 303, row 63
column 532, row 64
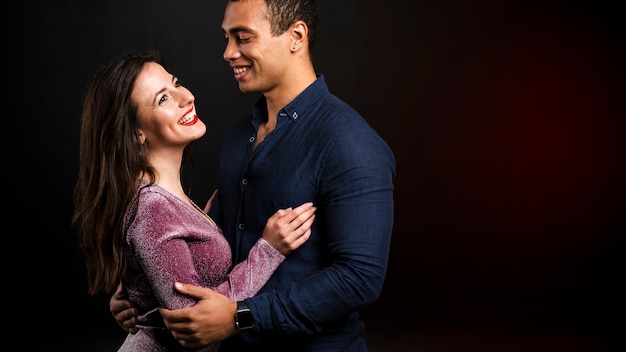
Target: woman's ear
column 142, row 138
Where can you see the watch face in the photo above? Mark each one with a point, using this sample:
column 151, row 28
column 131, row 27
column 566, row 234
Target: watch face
column 243, row 318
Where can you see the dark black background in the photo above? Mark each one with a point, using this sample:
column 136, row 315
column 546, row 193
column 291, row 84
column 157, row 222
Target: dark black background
column 505, row 117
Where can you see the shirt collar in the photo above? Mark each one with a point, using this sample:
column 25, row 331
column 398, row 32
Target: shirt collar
column 296, row 107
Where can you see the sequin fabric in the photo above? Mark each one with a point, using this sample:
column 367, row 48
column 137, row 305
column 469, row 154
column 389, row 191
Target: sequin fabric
column 170, row 241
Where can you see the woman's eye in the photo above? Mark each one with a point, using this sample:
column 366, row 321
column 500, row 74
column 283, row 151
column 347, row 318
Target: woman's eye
column 177, row 83
column 163, row 99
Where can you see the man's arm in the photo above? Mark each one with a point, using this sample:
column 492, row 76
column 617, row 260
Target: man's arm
column 355, row 202
column 358, row 218
column 212, row 318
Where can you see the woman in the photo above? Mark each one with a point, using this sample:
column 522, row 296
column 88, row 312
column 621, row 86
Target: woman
column 136, row 223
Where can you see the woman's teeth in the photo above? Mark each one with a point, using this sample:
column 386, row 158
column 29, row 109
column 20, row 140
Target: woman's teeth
column 187, row 119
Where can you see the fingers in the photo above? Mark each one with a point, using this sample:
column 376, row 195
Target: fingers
column 130, row 325
column 303, row 208
column 209, row 203
column 173, row 317
column 123, row 310
column 192, row 290
column 296, row 229
column 302, row 233
column 304, row 213
column 298, row 216
column 303, row 221
column 125, row 315
column 288, row 229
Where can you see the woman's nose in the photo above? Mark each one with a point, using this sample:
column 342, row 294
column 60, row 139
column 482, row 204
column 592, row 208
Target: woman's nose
column 187, row 97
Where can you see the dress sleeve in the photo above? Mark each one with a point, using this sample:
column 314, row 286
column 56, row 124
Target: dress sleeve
column 250, row 275
column 157, row 238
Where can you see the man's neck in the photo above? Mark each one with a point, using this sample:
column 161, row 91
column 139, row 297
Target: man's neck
column 282, row 95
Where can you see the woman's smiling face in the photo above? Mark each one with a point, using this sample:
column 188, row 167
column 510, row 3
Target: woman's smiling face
column 166, row 109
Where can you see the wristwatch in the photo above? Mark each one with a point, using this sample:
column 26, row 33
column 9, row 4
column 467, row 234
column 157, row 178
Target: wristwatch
column 243, row 317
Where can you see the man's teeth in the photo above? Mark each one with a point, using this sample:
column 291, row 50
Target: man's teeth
column 237, row 70
column 187, row 118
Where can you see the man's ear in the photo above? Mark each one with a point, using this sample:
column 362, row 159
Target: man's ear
column 299, row 34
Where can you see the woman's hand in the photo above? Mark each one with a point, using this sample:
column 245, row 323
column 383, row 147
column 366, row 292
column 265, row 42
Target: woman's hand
column 289, row 228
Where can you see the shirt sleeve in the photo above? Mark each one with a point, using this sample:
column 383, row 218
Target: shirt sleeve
column 356, row 219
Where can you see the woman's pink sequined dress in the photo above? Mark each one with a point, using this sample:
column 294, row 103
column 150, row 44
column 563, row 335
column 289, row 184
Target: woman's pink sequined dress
column 170, row 241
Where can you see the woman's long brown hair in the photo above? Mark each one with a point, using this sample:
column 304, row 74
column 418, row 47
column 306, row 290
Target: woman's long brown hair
column 110, row 163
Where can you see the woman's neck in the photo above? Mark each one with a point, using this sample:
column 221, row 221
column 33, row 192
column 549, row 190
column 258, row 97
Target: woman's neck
column 167, row 172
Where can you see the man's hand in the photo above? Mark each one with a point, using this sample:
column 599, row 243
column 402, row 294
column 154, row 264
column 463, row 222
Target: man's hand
column 210, row 320
column 123, row 310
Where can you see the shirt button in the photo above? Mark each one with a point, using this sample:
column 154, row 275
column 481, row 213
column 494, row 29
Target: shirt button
column 244, row 181
column 241, row 226
column 252, row 139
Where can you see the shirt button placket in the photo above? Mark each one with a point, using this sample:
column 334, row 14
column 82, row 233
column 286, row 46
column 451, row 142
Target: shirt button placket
column 244, row 182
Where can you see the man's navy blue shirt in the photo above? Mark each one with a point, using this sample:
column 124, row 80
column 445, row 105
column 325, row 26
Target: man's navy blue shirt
column 321, row 150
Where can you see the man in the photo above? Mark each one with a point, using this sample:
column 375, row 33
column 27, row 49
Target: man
column 300, row 143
